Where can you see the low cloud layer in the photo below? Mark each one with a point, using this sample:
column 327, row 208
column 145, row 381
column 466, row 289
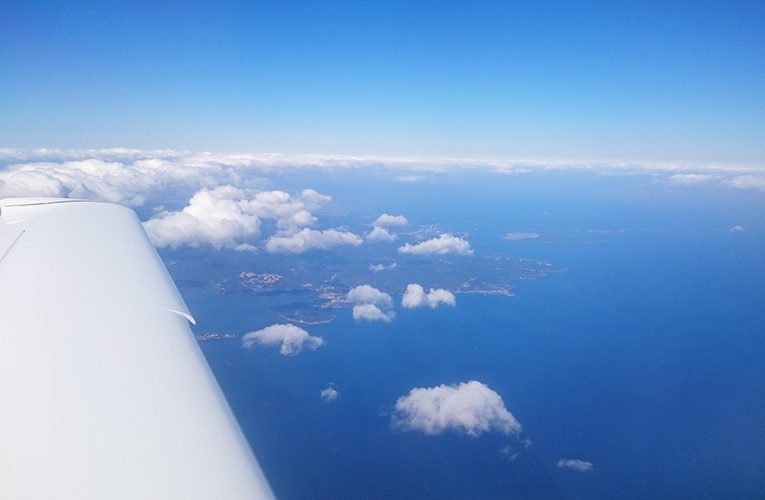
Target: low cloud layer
column 573, row 464
column 415, row 296
column 130, row 176
column 470, row 407
column 371, row 304
column 444, row 244
column 290, row 338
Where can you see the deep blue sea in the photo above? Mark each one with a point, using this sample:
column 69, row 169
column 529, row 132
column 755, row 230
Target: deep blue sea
column 644, row 355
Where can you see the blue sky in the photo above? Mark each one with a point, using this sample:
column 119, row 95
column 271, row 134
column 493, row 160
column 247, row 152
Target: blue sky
column 579, row 81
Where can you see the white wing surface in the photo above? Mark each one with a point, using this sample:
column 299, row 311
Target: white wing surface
column 104, row 392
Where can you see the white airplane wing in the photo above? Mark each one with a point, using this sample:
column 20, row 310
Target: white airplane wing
column 104, row 392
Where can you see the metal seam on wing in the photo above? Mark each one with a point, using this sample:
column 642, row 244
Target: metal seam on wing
column 11, row 247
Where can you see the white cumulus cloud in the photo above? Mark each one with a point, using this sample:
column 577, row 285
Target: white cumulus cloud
column 310, row 239
column 574, row 464
column 471, row 407
column 444, row 244
column 367, row 294
column 415, row 296
column 230, row 217
column 291, row 338
column 218, row 217
column 380, row 234
column 391, row 220
column 371, row 312
column 371, row 304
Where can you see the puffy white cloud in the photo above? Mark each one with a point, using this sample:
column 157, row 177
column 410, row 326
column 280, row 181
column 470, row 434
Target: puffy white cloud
column 381, row 267
column 371, row 304
column 291, row 338
column 380, row 234
column 573, row 464
column 229, row 217
column 366, row 294
column 216, row 217
column 409, row 178
column 444, row 244
column 391, row 220
column 471, row 407
column 415, row 296
column 371, row 312
column 520, row 236
column 329, row 393
column 310, row 239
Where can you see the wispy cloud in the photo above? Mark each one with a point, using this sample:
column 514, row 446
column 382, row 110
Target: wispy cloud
column 290, row 338
column 689, row 178
column 409, row 178
column 444, row 244
column 381, row 267
column 520, row 236
column 748, row 182
column 415, row 296
column 574, row 464
column 471, row 407
column 329, row 393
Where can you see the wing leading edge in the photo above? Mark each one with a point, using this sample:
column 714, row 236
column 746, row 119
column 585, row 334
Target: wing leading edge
column 104, row 392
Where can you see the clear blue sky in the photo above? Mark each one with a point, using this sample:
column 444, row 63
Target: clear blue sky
column 608, row 81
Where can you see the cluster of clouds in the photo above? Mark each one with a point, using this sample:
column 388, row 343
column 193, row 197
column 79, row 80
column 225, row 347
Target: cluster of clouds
column 469, row 407
column 415, row 296
column 442, row 245
column 226, row 200
column 291, row 339
column 230, row 217
column 371, row 304
column 380, row 231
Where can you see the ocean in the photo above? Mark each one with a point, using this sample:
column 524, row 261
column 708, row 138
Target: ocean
column 642, row 355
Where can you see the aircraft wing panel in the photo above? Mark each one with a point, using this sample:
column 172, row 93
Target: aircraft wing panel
column 104, row 392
